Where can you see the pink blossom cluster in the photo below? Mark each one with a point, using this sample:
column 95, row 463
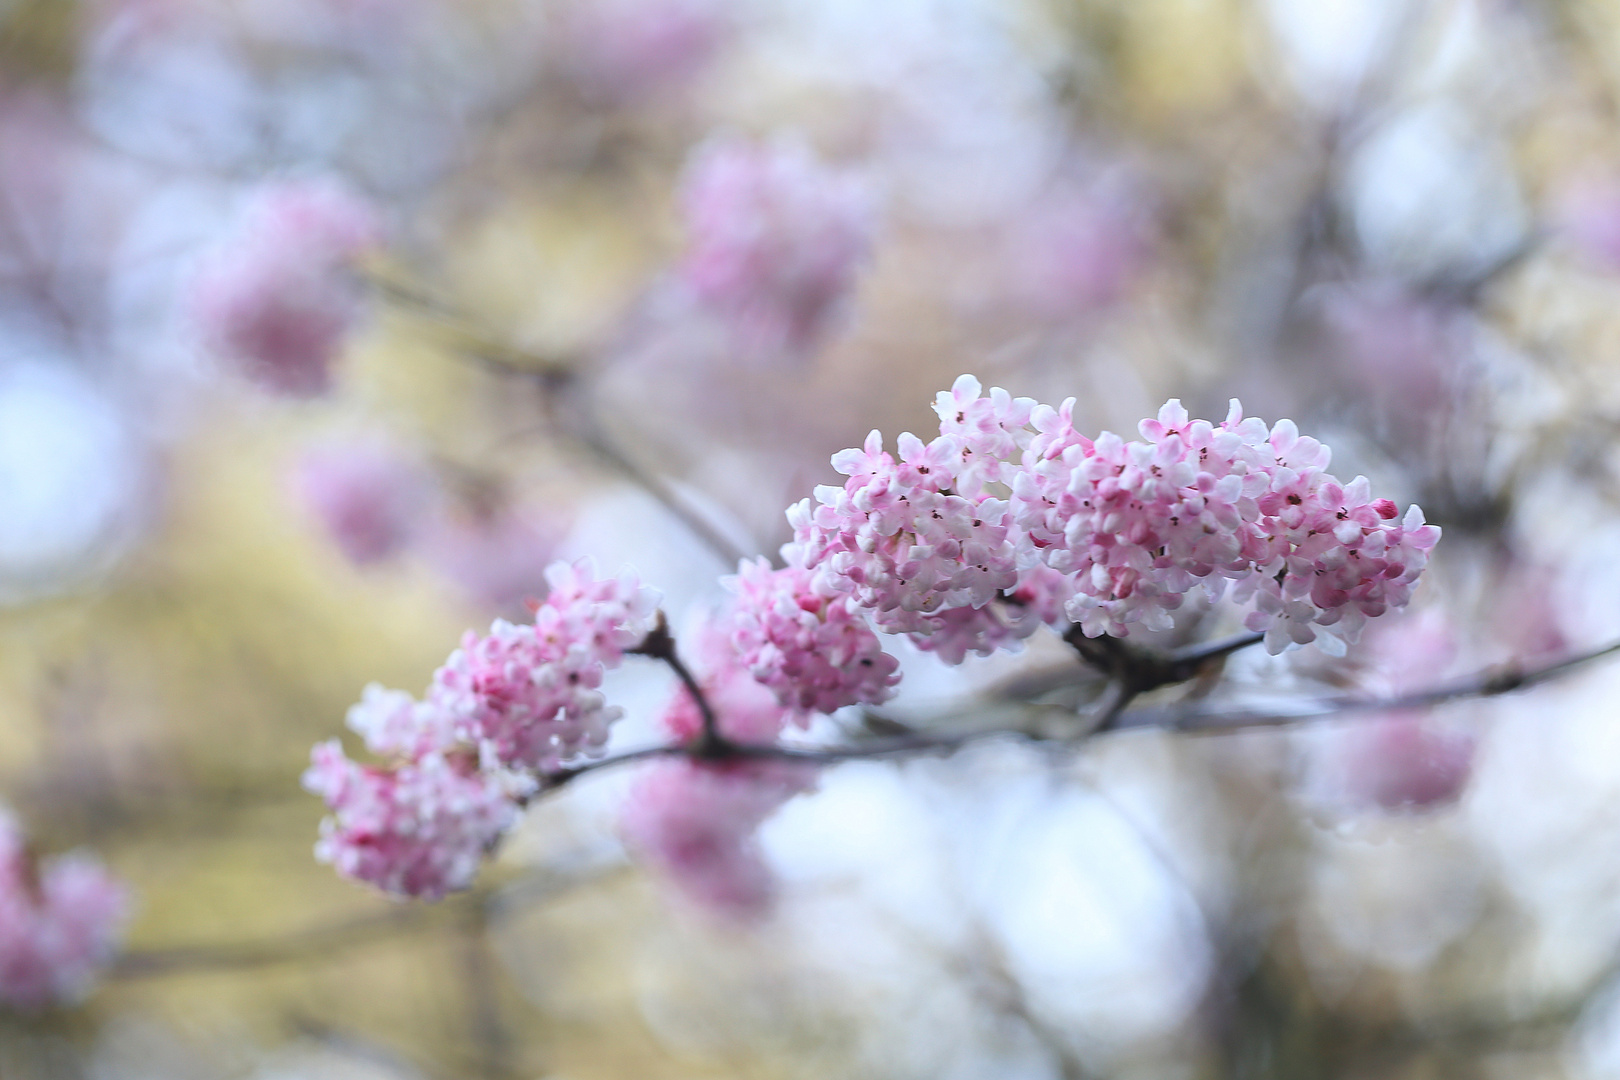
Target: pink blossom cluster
column 817, row 652
column 419, row 828
column 529, row 695
column 775, row 240
column 925, row 544
column 61, row 920
column 901, row 539
column 518, row 700
column 277, row 298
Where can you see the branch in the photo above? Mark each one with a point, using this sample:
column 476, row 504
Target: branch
column 589, row 433
column 555, row 374
column 1492, row 682
column 1140, row 669
column 1109, row 714
column 660, row 645
column 473, row 908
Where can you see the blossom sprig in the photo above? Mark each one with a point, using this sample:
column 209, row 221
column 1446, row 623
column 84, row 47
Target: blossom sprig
column 61, row 922
column 1009, row 520
column 1132, row 528
column 503, row 708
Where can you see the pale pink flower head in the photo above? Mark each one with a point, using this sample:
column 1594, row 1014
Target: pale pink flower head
column 529, row 695
column 1194, row 505
column 695, row 822
column 371, row 498
column 775, row 240
column 815, row 652
column 61, row 922
column 418, row 829
column 278, row 297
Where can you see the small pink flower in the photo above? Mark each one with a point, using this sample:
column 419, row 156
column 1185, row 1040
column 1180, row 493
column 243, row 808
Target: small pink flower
column 61, row 921
column 775, row 240
column 277, row 297
column 418, row 829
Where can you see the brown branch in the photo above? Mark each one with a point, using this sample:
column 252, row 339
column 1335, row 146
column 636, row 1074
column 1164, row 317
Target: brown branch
column 556, row 376
column 1140, row 669
column 659, row 644
column 1491, row 682
column 1110, row 714
column 475, row 907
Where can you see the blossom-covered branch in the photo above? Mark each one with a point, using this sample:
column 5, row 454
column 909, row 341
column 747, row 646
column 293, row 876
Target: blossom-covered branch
column 1009, row 520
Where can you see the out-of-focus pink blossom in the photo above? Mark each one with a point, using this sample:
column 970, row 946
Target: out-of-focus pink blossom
column 498, row 558
column 1402, row 760
column 814, row 651
column 1406, row 761
column 417, row 829
column 627, row 50
column 775, row 239
column 529, row 695
column 1401, row 348
column 61, row 921
column 370, row 497
column 1586, row 210
column 1075, row 249
column 277, row 298
column 696, row 823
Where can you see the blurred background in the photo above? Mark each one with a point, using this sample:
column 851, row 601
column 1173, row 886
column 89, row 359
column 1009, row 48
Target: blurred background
column 326, row 324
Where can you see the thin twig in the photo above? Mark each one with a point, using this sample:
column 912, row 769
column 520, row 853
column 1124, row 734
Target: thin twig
column 577, row 418
column 590, row 434
column 659, row 644
column 1112, row 715
column 1491, row 682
